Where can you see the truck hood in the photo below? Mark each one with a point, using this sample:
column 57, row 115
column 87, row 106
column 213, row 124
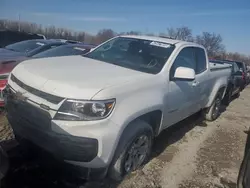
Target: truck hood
column 72, row 76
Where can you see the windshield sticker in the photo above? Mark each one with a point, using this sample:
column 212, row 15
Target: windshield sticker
column 39, row 43
column 77, row 48
column 160, row 44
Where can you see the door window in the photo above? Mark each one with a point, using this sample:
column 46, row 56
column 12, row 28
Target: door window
column 185, row 58
column 201, row 63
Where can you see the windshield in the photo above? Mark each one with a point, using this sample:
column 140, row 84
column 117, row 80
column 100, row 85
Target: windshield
column 62, row 51
column 24, row 46
column 137, row 54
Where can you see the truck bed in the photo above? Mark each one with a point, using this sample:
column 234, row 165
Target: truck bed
column 217, row 66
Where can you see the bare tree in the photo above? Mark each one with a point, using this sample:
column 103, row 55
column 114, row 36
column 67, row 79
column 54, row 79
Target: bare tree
column 212, row 42
column 81, row 36
column 133, row 33
column 238, row 57
column 89, row 39
column 104, row 35
column 2, row 24
column 181, row 33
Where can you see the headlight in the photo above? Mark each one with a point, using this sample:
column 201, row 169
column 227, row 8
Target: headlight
column 78, row 110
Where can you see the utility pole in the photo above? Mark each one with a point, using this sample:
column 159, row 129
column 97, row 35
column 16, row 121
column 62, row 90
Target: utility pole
column 19, row 26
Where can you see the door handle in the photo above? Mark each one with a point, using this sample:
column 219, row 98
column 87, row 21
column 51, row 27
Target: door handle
column 195, row 83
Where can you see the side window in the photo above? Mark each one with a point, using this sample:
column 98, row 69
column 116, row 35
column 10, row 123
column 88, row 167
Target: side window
column 184, row 59
column 201, row 64
column 236, row 68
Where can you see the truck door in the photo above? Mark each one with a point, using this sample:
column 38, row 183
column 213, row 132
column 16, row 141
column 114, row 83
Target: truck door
column 182, row 99
column 202, row 77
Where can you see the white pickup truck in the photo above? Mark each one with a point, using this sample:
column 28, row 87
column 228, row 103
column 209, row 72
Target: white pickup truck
column 101, row 112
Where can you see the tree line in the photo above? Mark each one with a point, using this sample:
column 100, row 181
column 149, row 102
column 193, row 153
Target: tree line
column 211, row 41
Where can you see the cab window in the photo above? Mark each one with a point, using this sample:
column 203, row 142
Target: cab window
column 185, row 58
column 201, row 63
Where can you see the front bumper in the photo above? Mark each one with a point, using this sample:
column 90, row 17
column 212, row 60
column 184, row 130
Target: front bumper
column 85, row 144
column 57, row 165
column 66, row 147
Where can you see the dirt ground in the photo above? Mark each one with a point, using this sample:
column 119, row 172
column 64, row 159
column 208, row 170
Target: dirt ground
column 191, row 154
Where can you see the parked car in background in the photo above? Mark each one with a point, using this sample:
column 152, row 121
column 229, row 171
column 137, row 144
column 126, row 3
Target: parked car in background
column 68, row 41
column 9, row 37
column 242, row 67
column 102, row 111
column 64, row 49
column 248, row 74
column 13, row 54
column 234, row 82
column 26, row 49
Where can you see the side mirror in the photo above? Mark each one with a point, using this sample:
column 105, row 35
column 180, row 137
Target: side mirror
column 184, row 73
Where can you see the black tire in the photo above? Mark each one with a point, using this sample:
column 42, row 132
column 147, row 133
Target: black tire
column 228, row 97
column 213, row 112
column 134, row 131
column 237, row 95
column 242, row 87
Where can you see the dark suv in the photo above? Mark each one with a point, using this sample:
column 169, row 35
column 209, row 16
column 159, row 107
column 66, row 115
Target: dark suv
column 243, row 69
column 235, row 80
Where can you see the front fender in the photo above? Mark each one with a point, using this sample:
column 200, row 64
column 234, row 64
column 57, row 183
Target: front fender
column 135, row 106
column 132, row 101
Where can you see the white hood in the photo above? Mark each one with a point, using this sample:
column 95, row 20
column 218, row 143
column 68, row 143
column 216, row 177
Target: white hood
column 72, row 76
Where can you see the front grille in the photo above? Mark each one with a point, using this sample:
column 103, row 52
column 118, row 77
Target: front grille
column 51, row 98
column 26, row 114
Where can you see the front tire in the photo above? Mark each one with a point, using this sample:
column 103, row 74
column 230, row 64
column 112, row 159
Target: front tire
column 213, row 111
column 133, row 150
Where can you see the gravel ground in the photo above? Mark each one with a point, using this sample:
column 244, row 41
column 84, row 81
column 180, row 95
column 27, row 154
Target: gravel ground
column 191, row 154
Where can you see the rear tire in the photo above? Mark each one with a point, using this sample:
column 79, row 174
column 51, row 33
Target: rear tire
column 213, row 111
column 133, row 150
column 228, row 97
column 237, row 95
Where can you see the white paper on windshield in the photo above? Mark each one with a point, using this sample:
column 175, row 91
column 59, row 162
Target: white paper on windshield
column 160, row 44
column 77, row 48
column 39, row 43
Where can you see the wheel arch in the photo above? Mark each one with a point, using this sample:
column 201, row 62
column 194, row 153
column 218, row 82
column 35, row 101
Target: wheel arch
column 218, row 89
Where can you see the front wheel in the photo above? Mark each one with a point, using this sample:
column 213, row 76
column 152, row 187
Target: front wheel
column 132, row 152
column 213, row 111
